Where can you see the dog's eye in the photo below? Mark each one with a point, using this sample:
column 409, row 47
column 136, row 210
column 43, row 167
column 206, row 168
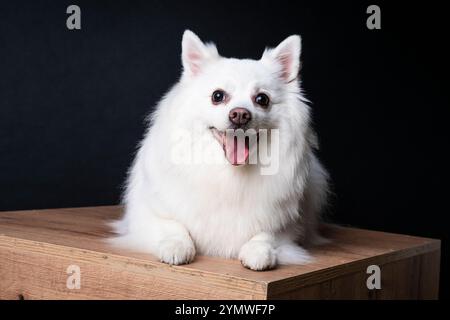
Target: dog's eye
column 262, row 99
column 218, row 96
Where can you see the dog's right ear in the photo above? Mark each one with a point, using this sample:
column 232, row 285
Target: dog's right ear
column 195, row 54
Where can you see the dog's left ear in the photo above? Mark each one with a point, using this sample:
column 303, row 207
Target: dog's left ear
column 195, row 54
column 287, row 56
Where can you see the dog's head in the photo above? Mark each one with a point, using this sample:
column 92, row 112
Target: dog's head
column 225, row 94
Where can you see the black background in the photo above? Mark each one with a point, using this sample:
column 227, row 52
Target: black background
column 73, row 103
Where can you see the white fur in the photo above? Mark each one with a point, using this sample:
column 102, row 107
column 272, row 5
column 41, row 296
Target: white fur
column 177, row 210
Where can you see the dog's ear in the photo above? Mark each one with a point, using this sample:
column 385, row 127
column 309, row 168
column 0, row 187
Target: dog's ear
column 287, row 56
column 195, row 54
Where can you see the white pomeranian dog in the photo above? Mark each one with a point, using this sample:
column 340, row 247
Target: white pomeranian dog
column 192, row 188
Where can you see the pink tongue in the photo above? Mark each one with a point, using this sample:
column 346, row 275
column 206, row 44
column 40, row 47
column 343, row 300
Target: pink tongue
column 235, row 154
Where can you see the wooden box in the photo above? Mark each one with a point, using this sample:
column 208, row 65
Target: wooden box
column 61, row 254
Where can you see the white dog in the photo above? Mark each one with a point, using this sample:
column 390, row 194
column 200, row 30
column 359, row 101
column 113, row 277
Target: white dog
column 178, row 206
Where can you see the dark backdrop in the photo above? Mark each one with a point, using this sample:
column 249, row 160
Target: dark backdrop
column 72, row 103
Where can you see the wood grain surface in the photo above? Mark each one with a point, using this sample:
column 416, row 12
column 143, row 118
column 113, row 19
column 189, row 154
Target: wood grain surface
column 37, row 247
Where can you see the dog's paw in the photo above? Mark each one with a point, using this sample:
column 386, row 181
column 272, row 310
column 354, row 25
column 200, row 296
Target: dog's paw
column 258, row 255
column 176, row 251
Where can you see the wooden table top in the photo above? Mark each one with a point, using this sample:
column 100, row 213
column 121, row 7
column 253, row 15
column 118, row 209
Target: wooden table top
column 85, row 229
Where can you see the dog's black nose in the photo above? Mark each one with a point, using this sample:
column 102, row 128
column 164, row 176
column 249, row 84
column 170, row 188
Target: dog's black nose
column 240, row 116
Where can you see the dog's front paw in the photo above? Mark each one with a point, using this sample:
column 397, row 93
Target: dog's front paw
column 258, row 255
column 176, row 251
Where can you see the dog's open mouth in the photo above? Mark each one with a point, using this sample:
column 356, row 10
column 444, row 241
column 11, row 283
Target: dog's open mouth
column 236, row 147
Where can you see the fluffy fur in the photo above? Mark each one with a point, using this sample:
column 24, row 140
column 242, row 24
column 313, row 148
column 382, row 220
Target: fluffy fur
column 178, row 210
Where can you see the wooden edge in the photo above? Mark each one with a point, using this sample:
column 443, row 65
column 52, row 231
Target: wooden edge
column 278, row 287
column 251, row 288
